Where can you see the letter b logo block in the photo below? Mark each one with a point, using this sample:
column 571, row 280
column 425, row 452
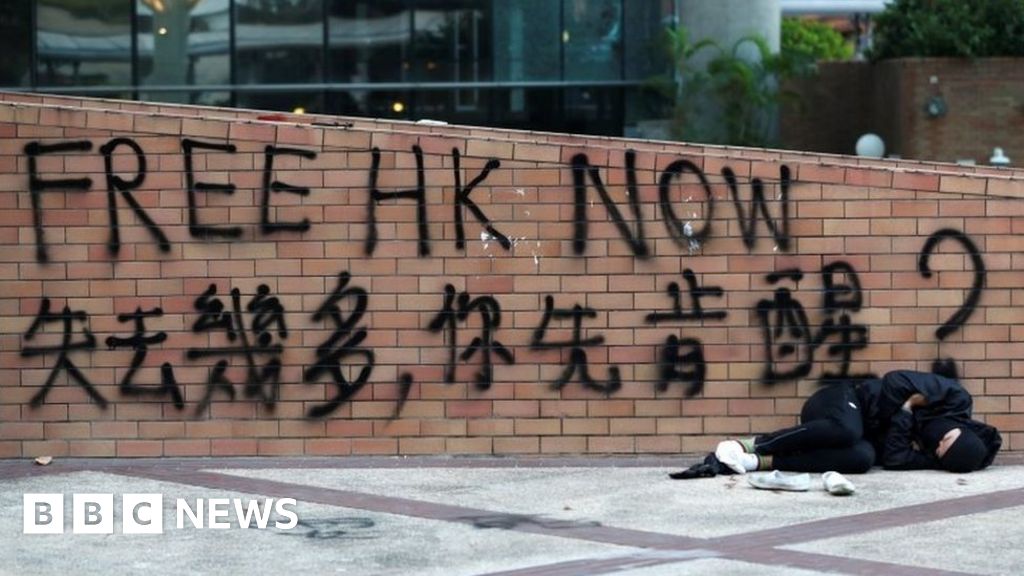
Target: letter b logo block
column 43, row 514
column 93, row 514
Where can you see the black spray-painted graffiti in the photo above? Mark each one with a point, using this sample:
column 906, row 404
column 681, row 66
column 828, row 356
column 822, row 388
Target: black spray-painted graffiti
column 261, row 381
column 343, row 344
column 342, row 528
column 117, row 184
column 841, row 300
column 196, row 229
column 462, row 200
column 36, row 185
column 140, row 342
column 582, row 172
column 748, row 222
column 790, row 341
column 947, row 366
column 682, row 233
column 671, row 360
column 419, row 194
column 514, row 521
column 490, row 315
column 577, row 346
column 271, row 185
column 581, row 169
column 67, row 319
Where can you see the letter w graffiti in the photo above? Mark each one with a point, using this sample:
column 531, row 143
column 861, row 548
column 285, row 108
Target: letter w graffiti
column 748, row 221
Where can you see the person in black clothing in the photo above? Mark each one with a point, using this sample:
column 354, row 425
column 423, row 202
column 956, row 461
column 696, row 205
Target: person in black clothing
column 904, row 421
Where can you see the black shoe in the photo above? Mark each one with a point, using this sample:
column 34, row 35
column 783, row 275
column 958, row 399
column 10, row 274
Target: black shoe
column 709, row 468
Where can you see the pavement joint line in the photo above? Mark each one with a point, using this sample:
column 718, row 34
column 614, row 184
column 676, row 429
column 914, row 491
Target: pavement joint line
column 608, row 565
column 872, row 521
column 831, row 563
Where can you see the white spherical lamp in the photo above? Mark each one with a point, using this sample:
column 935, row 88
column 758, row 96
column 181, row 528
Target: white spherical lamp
column 870, row 146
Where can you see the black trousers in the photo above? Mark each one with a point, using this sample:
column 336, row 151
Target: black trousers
column 830, row 436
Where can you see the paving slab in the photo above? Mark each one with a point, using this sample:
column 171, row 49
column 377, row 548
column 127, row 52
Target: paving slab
column 985, row 543
column 528, row 517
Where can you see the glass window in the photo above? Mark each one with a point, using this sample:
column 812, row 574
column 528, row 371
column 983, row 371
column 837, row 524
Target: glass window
column 16, row 30
column 445, row 105
column 369, row 40
column 646, row 41
column 194, row 97
column 183, row 43
column 593, row 110
column 452, row 40
column 526, row 35
column 527, row 109
column 84, row 43
column 279, row 41
column 592, row 39
column 298, row 102
column 112, row 95
column 389, row 104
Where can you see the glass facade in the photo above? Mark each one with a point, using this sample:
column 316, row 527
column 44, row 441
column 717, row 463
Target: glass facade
column 16, row 58
column 555, row 65
column 182, row 43
column 83, row 43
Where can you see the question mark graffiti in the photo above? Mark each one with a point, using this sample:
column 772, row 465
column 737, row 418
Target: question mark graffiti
column 947, row 366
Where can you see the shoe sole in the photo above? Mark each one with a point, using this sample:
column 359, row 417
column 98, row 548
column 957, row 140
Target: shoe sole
column 841, row 491
column 767, row 485
column 842, row 488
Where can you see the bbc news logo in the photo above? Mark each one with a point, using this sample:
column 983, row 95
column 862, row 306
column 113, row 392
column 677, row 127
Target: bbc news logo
column 144, row 513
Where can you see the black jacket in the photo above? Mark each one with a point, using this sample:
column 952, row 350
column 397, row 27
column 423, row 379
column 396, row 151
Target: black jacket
column 895, row 433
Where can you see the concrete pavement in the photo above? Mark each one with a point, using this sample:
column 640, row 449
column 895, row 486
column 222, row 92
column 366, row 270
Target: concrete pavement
column 559, row 516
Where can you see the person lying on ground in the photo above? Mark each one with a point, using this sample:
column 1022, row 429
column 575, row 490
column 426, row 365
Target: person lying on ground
column 904, row 421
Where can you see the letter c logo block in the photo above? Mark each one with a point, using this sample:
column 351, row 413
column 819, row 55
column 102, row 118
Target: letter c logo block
column 142, row 514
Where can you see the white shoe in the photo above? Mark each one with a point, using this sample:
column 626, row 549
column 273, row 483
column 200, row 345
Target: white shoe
column 776, row 480
column 730, row 453
column 837, row 484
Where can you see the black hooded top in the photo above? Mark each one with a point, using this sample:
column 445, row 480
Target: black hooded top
column 896, row 434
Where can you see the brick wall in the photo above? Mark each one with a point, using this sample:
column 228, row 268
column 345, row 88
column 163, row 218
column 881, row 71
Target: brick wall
column 984, row 101
column 345, row 347
column 820, row 120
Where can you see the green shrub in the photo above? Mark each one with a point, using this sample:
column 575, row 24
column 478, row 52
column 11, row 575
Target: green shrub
column 815, row 39
column 733, row 97
column 950, row 28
